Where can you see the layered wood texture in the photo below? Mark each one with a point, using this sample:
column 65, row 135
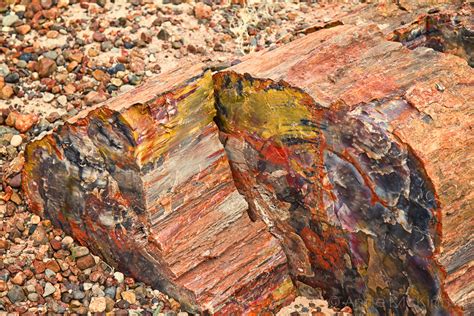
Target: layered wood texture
column 148, row 187
column 386, row 207
column 338, row 161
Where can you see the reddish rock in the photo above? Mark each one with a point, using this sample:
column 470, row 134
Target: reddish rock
column 6, row 92
column 72, row 65
column 3, row 286
column 85, row 262
column 98, row 37
column 52, row 265
column 100, row 75
column 202, row 11
column 211, row 227
column 21, row 122
column 55, row 244
column 39, row 236
column 25, row 122
column 23, row 29
column 15, row 181
column 95, row 97
column 338, row 160
column 4, row 244
column 45, row 67
column 51, row 14
column 19, row 278
column 76, row 56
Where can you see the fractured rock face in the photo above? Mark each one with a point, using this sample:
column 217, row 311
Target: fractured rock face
column 443, row 32
column 150, row 189
column 351, row 205
column 228, row 191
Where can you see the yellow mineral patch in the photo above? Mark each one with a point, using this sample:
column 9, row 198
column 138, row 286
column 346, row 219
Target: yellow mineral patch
column 283, row 290
column 263, row 108
column 170, row 118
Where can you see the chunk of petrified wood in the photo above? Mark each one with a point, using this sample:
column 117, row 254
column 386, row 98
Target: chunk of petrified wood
column 339, row 161
column 146, row 184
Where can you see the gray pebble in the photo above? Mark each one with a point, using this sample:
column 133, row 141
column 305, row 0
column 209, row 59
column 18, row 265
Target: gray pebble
column 48, row 289
column 4, row 70
column 51, row 55
column 33, row 297
column 9, row 20
column 16, row 294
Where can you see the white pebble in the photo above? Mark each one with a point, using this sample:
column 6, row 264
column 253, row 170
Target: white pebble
column 87, row 286
column 48, row 97
column 16, row 140
column 67, row 240
column 35, row 219
column 62, row 100
column 119, row 276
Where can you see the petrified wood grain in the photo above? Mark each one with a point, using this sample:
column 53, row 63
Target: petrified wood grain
column 337, row 161
column 397, row 196
column 444, row 32
column 148, row 187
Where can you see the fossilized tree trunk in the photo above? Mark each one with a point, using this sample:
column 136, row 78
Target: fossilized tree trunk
column 338, row 161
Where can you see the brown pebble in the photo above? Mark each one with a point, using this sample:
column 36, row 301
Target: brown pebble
column 39, row 236
column 72, row 65
column 52, row 34
column 99, row 37
column 6, row 92
column 52, row 265
column 3, row 286
column 76, row 56
column 202, row 11
column 85, row 262
column 99, row 75
column 95, row 97
column 15, row 181
column 19, row 278
column 69, row 88
column 45, row 67
column 55, row 244
column 52, row 117
column 22, row 122
column 23, row 29
column 4, row 244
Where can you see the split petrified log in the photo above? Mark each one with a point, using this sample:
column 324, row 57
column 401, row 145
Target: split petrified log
column 349, row 155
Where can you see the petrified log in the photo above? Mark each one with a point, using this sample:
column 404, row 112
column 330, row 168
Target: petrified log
column 145, row 183
column 337, row 162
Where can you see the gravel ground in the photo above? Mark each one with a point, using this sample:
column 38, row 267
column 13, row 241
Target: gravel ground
column 60, row 56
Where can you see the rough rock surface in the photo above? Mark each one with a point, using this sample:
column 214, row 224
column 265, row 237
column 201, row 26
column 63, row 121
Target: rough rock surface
column 394, row 126
column 154, row 177
column 348, row 152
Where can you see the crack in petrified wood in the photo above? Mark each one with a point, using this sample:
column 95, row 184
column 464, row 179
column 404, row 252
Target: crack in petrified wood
column 449, row 33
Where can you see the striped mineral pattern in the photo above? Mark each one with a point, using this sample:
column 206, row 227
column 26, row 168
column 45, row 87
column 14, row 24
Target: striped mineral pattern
column 338, row 162
column 149, row 188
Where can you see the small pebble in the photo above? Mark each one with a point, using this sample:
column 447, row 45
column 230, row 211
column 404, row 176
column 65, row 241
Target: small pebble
column 48, row 97
column 16, row 140
column 35, row 219
column 48, row 289
column 119, row 277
